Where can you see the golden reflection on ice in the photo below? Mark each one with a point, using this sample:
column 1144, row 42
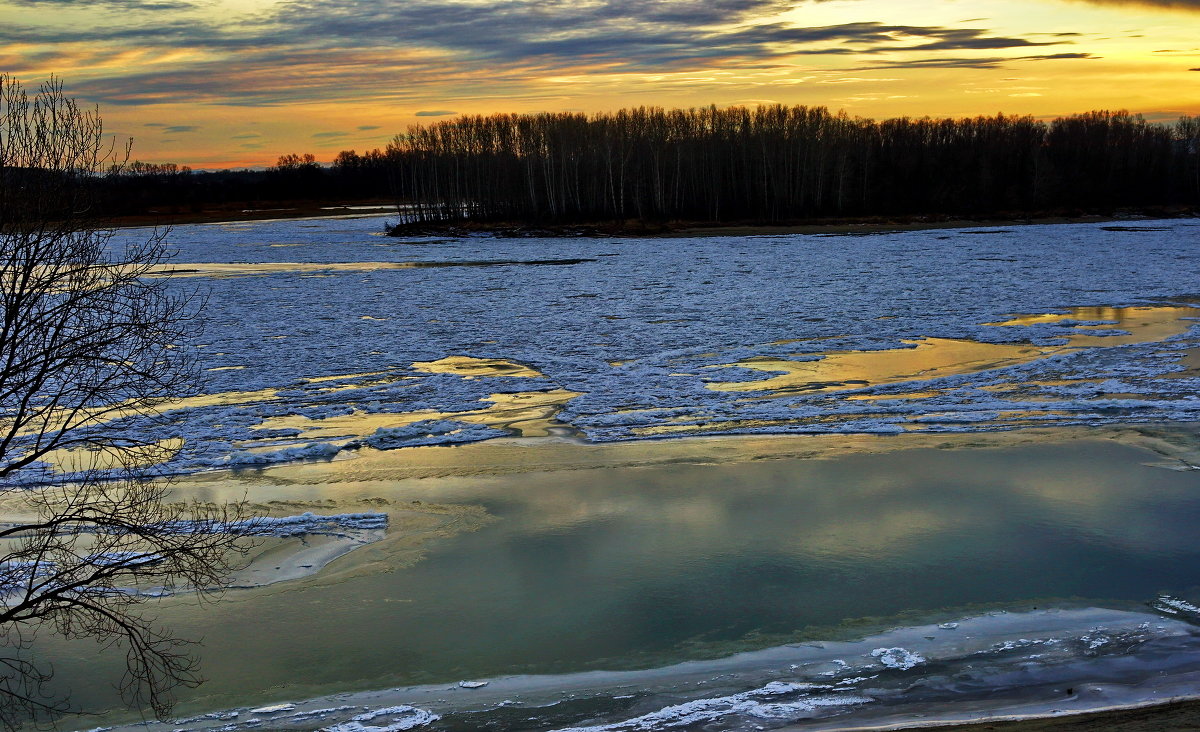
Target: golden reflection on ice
column 929, row 358
column 110, row 413
column 527, row 414
column 220, row 399
column 255, row 269
column 470, row 366
column 1145, row 324
column 83, row 458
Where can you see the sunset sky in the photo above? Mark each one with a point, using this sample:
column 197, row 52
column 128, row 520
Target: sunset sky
column 219, row 83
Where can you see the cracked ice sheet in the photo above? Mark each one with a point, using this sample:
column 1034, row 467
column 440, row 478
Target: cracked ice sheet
column 641, row 332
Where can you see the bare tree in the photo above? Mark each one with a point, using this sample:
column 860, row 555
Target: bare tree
column 88, row 341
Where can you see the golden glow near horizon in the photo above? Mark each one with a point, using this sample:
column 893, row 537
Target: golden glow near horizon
column 217, row 83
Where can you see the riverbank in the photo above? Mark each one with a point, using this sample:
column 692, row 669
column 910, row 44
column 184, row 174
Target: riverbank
column 867, row 225
column 633, row 228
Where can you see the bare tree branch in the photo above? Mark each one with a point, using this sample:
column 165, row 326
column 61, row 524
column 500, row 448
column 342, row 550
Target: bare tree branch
column 86, row 339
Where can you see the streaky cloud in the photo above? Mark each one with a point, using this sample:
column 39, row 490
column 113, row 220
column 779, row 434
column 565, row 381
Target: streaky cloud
column 400, row 51
column 120, row 5
column 995, row 62
column 1193, row 5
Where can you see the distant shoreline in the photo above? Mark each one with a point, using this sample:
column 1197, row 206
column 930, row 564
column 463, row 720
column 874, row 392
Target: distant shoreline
column 677, row 229
column 282, row 211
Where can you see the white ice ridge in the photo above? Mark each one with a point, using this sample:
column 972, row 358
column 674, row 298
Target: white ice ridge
column 16, row 576
column 307, row 523
column 273, row 709
column 392, row 719
column 765, row 703
column 314, row 450
column 424, row 432
column 1175, row 606
column 641, row 333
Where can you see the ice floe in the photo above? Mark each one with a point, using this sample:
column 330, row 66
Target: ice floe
column 428, row 432
column 775, row 701
column 389, row 719
column 273, row 709
column 899, row 658
column 1175, row 606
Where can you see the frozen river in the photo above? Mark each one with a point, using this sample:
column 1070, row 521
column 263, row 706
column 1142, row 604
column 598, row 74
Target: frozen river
column 820, row 561
column 323, row 333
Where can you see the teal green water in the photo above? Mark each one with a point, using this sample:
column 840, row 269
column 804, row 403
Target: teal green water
column 622, row 567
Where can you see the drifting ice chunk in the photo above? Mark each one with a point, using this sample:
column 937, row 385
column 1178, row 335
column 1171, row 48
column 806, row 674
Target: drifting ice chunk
column 403, row 718
column 1175, row 606
column 299, row 452
column 428, row 432
column 898, row 658
column 304, row 524
column 273, row 709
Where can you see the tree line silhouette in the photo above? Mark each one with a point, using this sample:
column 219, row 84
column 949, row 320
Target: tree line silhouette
column 773, row 163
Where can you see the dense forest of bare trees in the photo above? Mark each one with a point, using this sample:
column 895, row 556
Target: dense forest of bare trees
column 769, row 164
column 778, row 163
